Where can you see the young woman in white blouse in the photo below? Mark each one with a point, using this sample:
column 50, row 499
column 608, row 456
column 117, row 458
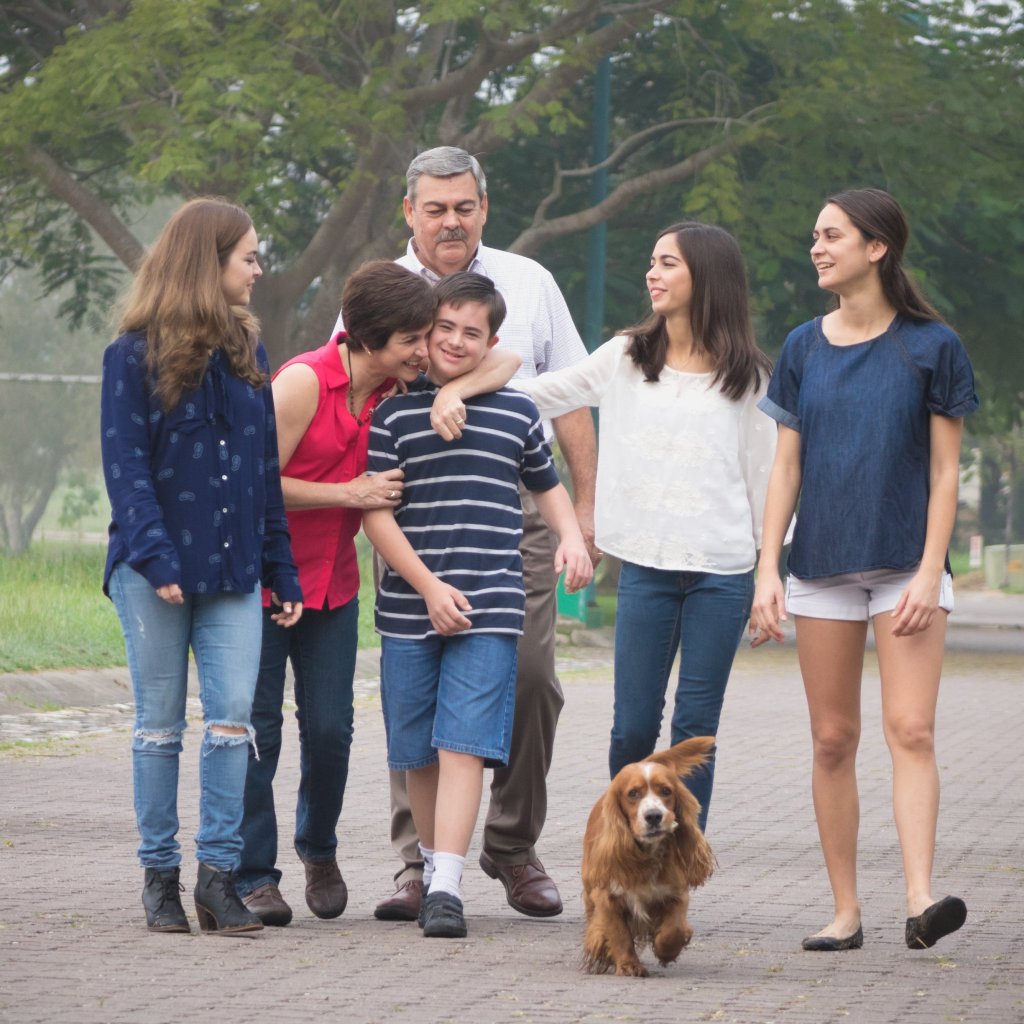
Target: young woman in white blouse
column 684, row 460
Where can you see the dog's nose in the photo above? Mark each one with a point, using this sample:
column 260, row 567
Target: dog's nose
column 653, row 818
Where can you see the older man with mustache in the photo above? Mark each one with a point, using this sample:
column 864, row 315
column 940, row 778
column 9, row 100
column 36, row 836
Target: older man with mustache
column 446, row 209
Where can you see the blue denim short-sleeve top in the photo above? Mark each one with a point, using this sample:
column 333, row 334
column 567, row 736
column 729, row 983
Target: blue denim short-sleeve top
column 863, row 413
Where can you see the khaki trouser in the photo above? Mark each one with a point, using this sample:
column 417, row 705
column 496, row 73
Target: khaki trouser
column 519, row 795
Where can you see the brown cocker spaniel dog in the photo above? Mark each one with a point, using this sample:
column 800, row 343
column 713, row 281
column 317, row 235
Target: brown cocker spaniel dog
column 642, row 853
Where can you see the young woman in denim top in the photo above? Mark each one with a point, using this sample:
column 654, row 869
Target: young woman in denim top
column 190, row 459
column 870, row 401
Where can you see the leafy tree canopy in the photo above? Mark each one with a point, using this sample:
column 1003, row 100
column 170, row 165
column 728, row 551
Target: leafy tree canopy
column 747, row 113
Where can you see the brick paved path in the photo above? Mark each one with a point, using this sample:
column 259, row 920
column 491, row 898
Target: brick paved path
column 73, row 946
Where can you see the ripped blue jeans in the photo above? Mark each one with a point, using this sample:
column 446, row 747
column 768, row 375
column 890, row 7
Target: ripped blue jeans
column 224, row 633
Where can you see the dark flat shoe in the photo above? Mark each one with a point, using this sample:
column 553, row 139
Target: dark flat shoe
column 939, row 919
column 829, row 944
column 443, row 917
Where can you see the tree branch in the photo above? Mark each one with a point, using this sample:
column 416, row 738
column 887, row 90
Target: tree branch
column 500, row 53
column 89, row 206
column 290, row 284
column 556, row 82
column 534, row 237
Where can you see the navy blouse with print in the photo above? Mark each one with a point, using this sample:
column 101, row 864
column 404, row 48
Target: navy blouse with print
column 195, row 493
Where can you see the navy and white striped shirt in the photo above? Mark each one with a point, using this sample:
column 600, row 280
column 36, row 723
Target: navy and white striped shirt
column 460, row 508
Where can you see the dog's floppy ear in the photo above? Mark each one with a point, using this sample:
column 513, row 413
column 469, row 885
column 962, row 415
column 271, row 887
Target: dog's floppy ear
column 607, row 835
column 685, row 756
column 698, row 860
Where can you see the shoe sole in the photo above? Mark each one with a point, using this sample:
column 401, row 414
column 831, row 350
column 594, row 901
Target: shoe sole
column 273, row 919
column 491, row 869
column 945, row 917
column 208, row 924
column 445, row 932
column 395, row 915
column 328, row 915
column 828, row 944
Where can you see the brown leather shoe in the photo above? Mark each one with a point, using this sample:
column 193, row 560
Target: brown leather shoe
column 326, row 892
column 267, row 903
column 403, row 904
column 529, row 888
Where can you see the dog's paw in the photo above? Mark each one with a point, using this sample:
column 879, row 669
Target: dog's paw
column 631, row 969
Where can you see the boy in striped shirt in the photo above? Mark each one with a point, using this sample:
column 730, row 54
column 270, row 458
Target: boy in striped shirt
column 451, row 603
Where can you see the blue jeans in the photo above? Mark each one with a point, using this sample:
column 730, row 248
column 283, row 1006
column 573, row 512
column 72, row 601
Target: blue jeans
column 223, row 631
column 450, row 693
column 702, row 615
column 322, row 648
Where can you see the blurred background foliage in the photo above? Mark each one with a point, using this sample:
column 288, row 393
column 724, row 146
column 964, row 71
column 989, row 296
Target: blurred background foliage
column 747, row 113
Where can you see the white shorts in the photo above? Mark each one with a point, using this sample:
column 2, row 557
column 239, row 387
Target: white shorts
column 856, row 596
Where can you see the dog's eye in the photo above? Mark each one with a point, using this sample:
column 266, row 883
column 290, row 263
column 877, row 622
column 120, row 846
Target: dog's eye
column 665, row 791
column 634, row 794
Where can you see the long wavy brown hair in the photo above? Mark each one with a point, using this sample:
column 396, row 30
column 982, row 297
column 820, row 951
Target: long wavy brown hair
column 177, row 299
column 719, row 313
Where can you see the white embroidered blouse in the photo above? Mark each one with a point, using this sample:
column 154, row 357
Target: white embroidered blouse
column 682, row 470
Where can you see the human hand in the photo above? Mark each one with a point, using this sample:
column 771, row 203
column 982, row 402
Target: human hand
column 448, row 414
column 917, row 605
column 445, row 606
column 379, row 490
column 171, row 593
column 290, row 613
column 572, row 556
column 768, row 609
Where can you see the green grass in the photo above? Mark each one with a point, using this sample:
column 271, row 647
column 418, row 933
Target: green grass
column 53, row 613
column 52, row 610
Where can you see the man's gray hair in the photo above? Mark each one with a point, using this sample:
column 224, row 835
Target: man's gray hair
column 443, row 162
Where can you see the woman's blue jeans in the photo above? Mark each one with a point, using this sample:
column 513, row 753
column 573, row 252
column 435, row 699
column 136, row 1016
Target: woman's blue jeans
column 223, row 631
column 322, row 648
column 700, row 614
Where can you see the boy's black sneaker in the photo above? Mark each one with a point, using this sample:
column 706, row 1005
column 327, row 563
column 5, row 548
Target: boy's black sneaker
column 443, row 917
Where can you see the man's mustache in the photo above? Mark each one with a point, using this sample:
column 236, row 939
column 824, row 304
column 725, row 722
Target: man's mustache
column 453, row 235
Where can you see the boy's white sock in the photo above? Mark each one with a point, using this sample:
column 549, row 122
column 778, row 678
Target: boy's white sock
column 447, row 873
column 428, row 866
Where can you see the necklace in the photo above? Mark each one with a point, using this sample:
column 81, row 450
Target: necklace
column 351, row 392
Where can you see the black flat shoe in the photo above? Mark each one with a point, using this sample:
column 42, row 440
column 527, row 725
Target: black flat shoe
column 829, row 944
column 939, row 919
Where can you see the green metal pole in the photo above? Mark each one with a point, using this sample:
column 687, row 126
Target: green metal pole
column 597, row 237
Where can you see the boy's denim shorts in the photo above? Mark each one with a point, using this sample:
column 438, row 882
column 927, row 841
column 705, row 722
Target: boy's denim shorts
column 448, row 693
column 856, row 596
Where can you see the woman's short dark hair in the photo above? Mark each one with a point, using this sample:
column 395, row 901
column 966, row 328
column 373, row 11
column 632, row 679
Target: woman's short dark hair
column 465, row 286
column 877, row 216
column 719, row 313
column 382, row 298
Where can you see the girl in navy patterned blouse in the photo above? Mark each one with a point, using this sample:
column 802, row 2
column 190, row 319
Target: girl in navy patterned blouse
column 197, row 523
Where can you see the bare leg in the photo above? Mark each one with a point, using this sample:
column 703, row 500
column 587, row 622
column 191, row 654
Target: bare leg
column 831, row 662
column 910, row 667
column 459, row 788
